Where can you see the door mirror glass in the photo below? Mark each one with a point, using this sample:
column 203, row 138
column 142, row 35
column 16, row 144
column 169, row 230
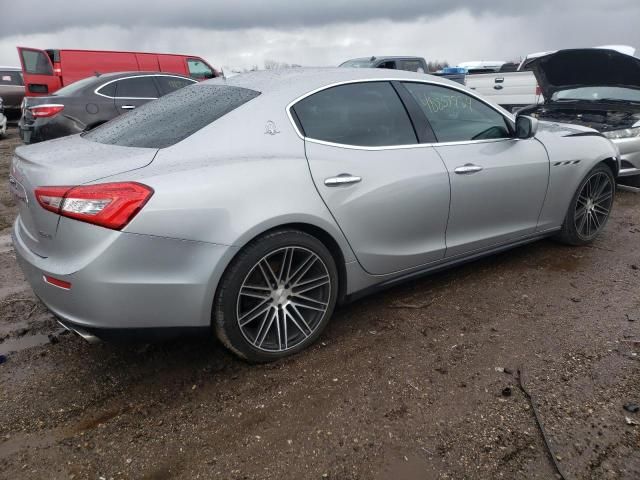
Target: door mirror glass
column 526, row 127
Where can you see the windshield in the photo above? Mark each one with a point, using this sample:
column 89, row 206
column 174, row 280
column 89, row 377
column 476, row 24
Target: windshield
column 599, row 94
column 357, row 63
column 172, row 118
column 74, row 87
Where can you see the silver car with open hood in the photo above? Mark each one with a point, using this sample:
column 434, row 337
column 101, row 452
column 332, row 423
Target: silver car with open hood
column 598, row 88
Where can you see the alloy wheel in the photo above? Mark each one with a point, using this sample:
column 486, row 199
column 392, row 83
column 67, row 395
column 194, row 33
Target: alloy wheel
column 283, row 299
column 594, row 205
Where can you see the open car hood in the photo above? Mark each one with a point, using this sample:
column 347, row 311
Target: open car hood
column 587, row 67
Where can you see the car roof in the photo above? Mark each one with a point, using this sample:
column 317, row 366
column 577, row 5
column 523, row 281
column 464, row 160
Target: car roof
column 114, row 75
column 292, row 83
column 14, row 69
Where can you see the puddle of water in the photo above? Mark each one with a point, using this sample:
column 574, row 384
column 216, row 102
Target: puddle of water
column 5, row 243
column 13, row 345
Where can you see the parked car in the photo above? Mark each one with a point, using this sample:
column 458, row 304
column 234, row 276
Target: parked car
column 290, row 192
column 3, row 120
column 597, row 88
column 45, row 71
column 11, row 91
column 410, row 64
column 90, row 102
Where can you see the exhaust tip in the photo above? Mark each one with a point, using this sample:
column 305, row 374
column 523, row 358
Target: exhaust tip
column 89, row 337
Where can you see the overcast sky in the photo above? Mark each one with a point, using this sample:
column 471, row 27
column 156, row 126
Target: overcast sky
column 244, row 33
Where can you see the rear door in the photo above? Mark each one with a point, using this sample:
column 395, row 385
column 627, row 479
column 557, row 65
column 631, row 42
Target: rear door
column 134, row 91
column 37, row 71
column 169, row 83
column 389, row 195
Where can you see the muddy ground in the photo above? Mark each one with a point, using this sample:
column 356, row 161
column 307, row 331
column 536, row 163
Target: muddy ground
column 404, row 385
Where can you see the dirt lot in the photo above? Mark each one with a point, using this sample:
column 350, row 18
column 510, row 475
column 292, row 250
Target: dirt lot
column 403, row 385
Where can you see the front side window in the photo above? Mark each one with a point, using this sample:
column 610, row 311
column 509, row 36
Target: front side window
column 172, row 118
column 138, row 87
column 199, row 70
column 169, row 84
column 456, row 116
column 368, row 114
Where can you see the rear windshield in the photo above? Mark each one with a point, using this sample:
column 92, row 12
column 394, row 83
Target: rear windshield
column 172, row 118
column 74, row 87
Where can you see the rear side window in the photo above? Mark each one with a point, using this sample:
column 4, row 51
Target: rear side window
column 171, row 84
column 411, row 66
column 456, row 116
column 11, row 78
column 171, row 118
column 74, row 87
column 36, row 62
column 138, row 87
column 368, row 114
column 198, row 69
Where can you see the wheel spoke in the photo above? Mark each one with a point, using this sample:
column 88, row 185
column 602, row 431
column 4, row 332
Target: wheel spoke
column 580, row 212
column 605, row 196
column 293, row 320
column 581, row 225
column 254, row 312
column 596, row 222
column 252, row 292
column 309, row 261
column 301, row 318
column 267, row 273
column 311, row 284
column 285, row 267
column 266, row 329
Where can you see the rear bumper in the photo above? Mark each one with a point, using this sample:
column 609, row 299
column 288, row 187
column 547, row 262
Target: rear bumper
column 135, row 284
column 42, row 129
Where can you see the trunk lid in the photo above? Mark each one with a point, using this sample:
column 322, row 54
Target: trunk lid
column 67, row 161
column 586, row 67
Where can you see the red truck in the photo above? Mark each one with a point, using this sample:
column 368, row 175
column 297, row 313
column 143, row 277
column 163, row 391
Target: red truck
column 45, row 71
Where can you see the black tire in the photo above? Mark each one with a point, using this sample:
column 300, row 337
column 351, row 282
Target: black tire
column 571, row 234
column 228, row 301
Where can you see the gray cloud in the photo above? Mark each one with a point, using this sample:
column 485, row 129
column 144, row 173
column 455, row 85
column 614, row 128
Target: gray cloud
column 25, row 17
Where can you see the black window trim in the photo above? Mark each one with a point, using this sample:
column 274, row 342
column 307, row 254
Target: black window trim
column 509, row 118
column 100, row 87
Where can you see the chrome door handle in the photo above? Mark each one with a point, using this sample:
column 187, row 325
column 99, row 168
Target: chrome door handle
column 344, row 179
column 468, row 169
column 128, row 107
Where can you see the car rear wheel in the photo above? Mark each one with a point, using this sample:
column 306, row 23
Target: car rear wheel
column 590, row 207
column 276, row 297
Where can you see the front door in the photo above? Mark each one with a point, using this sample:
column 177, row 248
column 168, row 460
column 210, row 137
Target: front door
column 389, row 196
column 498, row 183
column 37, row 71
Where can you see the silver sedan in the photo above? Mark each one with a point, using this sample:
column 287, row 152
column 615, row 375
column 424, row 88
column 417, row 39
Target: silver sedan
column 269, row 198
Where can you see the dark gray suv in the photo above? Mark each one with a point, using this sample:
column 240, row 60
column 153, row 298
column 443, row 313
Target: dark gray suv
column 92, row 101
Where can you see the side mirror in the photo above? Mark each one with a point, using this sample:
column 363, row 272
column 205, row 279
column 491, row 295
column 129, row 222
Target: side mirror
column 526, row 127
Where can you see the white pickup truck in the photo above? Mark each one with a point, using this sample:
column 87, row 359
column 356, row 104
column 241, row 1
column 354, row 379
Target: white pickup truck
column 510, row 90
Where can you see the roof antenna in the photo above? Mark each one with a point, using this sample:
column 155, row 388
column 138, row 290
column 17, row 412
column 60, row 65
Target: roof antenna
column 97, row 74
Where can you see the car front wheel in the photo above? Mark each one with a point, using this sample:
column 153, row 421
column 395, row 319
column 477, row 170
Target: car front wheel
column 276, row 297
column 590, row 207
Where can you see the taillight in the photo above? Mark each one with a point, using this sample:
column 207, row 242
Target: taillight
column 46, row 110
column 109, row 205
